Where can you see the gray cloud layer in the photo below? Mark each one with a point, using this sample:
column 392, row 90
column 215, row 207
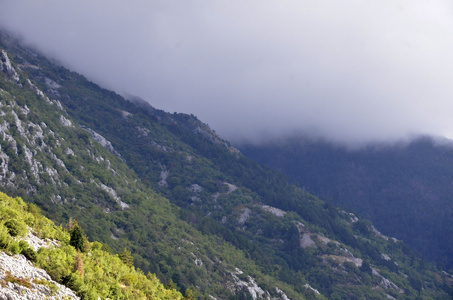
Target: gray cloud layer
column 351, row 71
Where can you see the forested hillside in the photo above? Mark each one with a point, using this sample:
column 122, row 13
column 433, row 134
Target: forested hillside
column 70, row 171
column 190, row 207
column 405, row 188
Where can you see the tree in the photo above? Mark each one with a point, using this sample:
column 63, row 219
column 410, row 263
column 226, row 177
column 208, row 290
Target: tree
column 78, row 264
column 366, row 268
column 77, row 238
column 171, row 285
column 189, row 294
column 71, row 224
column 126, row 257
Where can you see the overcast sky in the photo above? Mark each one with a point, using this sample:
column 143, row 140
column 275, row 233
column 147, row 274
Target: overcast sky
column 349, row 70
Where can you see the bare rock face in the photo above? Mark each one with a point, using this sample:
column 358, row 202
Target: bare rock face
column 19, row 279
column 36, row 243
column 7, row 67
column 249, row 284
column 104, row 142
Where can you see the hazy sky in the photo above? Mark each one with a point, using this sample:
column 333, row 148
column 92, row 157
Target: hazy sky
column 349, row 70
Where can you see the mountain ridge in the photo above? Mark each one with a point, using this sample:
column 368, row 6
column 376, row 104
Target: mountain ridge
column 200, row 213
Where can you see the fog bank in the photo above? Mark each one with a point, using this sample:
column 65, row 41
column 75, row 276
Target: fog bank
column 350, row 71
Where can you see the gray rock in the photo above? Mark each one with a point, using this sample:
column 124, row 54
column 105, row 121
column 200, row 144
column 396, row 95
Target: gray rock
column 39, row 281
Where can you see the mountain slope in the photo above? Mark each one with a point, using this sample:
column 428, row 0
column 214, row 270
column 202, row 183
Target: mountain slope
column 92, row 273
column 405, row 189
column 51, row 160
column 239, row 229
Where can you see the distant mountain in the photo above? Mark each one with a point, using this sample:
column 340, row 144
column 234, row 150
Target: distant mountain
column 405, row 189
column 191, row 208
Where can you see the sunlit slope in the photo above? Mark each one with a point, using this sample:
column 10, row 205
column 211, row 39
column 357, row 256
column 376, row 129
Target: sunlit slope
column 83, row 267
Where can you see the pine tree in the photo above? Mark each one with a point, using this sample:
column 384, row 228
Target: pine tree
column 77, row 238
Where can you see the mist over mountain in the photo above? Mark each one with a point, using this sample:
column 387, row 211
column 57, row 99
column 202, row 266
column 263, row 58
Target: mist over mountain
column 189, row 208
column 404, row 189
column 167, row 194
column 351, row 72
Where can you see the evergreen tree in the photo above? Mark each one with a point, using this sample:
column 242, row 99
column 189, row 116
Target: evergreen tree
column 77, row 238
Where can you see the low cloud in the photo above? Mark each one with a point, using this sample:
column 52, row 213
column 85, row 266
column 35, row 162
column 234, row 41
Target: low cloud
column 350, row 71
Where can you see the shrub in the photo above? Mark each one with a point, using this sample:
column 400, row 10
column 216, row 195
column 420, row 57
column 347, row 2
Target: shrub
column 29, row 253
column 33, row 209
column 20, row 281
column 14, row 247
column 3, row 236
column 96, row 246
column 129, row 279
column 16, row 227
column 53, row 288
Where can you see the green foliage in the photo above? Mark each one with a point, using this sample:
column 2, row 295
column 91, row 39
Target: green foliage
column 14, row 247
column 4, row 236
column 53, row 287
column 171, row 285
column 13, row 279
column 16, row 227
column 77, row 238
column 91, row 275
column 28, row 252
column 126, row 257
column 366, row 268
column 404, row 188
column 189, row 294
column 197, row 208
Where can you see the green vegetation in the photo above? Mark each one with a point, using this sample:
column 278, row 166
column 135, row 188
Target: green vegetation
column 174, row 199
column 92, row 274
column 77, row 177
column 405, row 189
column 12, row 279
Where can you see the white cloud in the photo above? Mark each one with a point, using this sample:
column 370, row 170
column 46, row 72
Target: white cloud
column 348, row 70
